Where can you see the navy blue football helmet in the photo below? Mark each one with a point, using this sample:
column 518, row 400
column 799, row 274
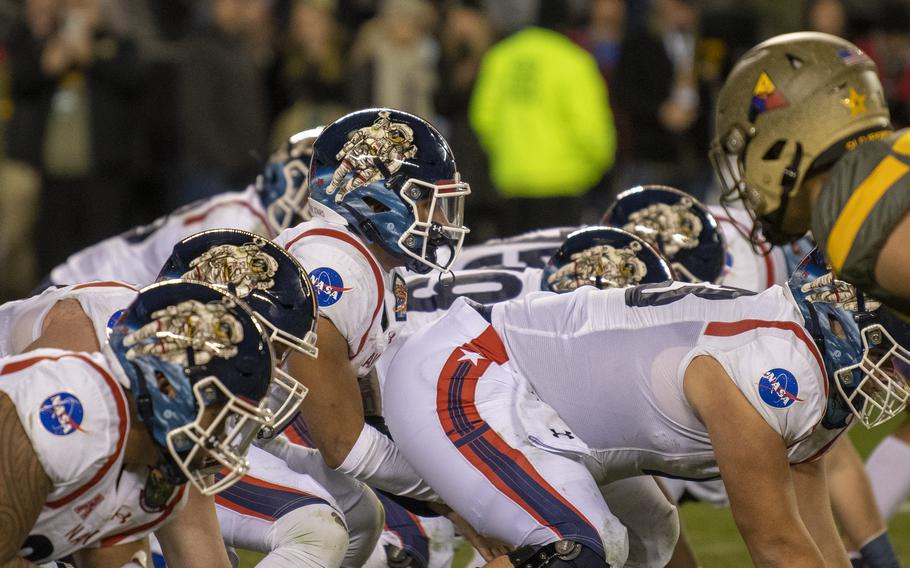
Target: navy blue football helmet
column 273, row 284
column 675, row 223
column 199, row 365
column 864, row 349
column 282, row 184
column 604, row 257
column 391, row 177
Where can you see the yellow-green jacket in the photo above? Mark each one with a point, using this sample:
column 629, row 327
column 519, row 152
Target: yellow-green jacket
column 541, row 111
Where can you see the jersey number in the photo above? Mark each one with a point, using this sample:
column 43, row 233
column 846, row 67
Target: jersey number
column 650, row 295
column 507, row 286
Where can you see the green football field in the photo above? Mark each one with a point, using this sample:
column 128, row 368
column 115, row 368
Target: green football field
column 714, row 537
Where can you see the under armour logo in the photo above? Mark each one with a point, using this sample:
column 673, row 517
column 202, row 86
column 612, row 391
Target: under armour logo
column 567, row 434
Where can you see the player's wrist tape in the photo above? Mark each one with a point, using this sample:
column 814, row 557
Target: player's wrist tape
column 878, row 553
column 374, row 459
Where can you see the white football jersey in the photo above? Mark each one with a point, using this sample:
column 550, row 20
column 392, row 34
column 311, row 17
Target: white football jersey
column 611, row 363
column 361, row 299
column 745, row 268
column 77, row 418
column 22, row 321
column 527, row 250
column 431, row 295
column 137, row 255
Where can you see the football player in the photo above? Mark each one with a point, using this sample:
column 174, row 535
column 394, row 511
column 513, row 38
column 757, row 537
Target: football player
column 371, row 211
column 100, row 446
column 272, row 283
column 514, row 414
column 266, row 207
column 313, row 516
column 602, row 257
column 666, row 218
column 803, row 138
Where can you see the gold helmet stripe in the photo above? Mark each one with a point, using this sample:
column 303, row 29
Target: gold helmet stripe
column 857, row 208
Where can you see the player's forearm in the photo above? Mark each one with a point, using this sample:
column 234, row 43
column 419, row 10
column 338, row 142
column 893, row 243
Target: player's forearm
column 193, row 537
column 781, row 556
column 810, row 483
column 24, row 485
column 851, row 494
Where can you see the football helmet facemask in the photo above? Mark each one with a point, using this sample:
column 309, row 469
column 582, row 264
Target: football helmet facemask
column 790, row 107
column 274, row 285
column 391, row 177
column 863, row 346
column 198, row 365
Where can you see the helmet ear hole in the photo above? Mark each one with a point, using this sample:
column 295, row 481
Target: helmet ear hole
column 775, row 150
column 836, row 327
column 374, row 204
column 795, row 62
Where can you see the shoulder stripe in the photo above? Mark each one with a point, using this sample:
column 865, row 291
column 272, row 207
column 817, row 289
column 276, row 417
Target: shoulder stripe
column 199, row 217
column 377, row 272
column 730, row 328
column 122, row 415
column 857, row 209
column 106, row 284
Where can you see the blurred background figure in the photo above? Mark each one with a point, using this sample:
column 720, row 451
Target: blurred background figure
column 74, row 84
column 541, row 111
column 221, row 104
column 393, row 59
column 465, row 35
column 888, row 44
column 309, row 75
column 827, row 16
column 657, row 86
column 19, row 187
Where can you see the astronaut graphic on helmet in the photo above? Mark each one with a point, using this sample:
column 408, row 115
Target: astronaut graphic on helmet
column 245, row 266
column 373, row 152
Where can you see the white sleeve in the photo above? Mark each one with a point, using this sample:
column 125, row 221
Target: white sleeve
column 137, row 255
column 778, row 378
column 375, row 460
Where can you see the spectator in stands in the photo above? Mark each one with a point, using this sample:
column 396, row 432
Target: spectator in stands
column 221, row 106
column 889, row 46
column 19, row 186
column 827, row 16
column 74, row 82
column 393, row 59
column 309, row 76
column 541, row 111
column 657, row 86
column 464, row 37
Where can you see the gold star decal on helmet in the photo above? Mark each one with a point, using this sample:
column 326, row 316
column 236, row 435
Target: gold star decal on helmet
column 855, row 102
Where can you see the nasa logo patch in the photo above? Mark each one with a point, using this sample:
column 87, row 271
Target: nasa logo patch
column 61, row 414
column 778, row 388
column 328, row 285
column 112, row 321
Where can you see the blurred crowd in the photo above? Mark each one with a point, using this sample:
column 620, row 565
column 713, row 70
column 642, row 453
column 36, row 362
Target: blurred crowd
column 114, row 112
